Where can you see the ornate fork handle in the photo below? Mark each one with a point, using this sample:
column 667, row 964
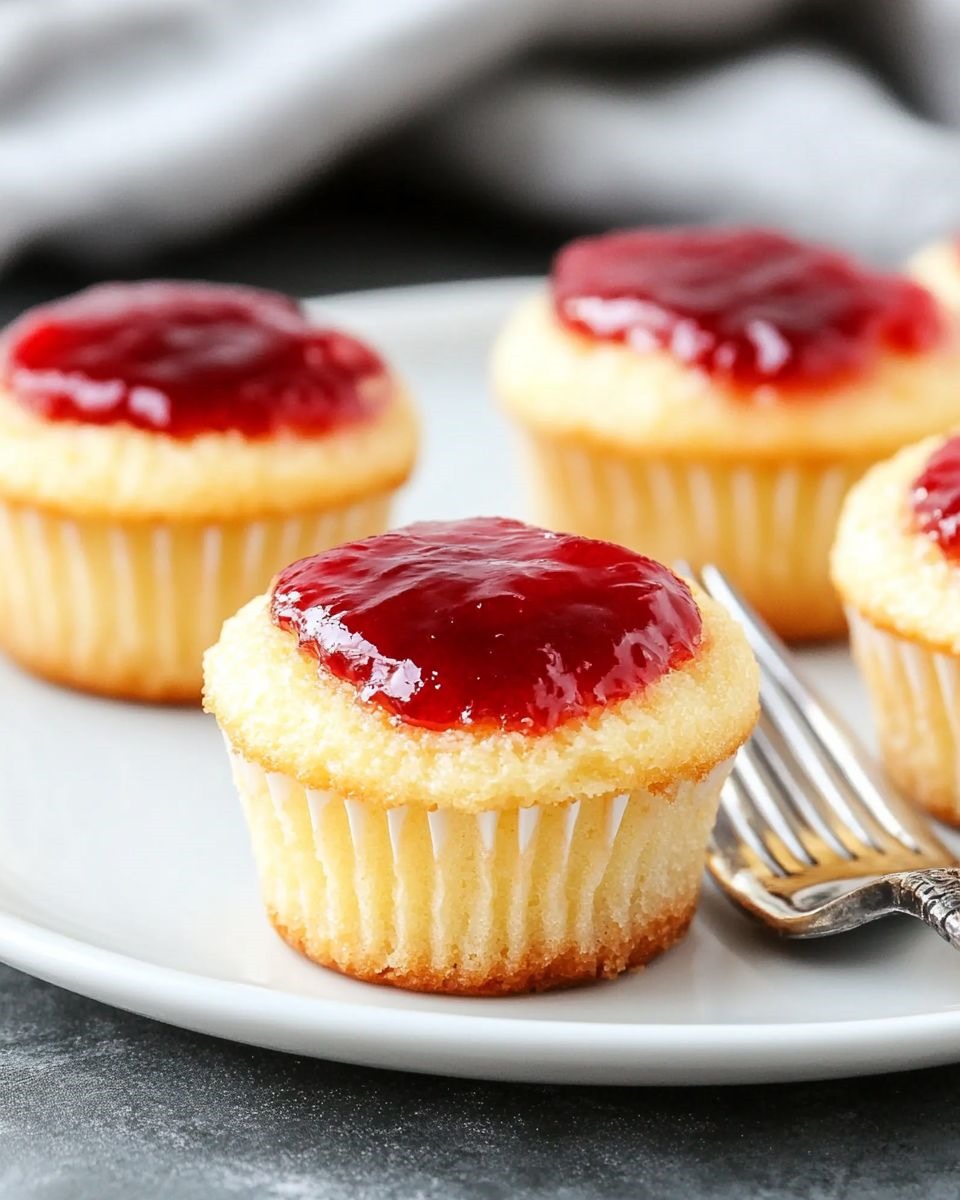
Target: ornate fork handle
column 933, row 896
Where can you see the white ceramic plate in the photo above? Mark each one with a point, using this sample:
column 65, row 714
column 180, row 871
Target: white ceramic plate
column 125, row 873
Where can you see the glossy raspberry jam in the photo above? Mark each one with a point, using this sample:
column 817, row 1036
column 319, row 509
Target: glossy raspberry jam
column 749, row 306
column 488, row 622
column 936, row 497
column 189, row 358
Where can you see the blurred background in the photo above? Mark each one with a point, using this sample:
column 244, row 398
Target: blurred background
column 321, row 145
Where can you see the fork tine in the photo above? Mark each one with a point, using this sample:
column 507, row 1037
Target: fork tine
column 747, row 833
column 786, row 838
column 850, row 821
column 729, row 851
column 813, row 818
column 838, row 764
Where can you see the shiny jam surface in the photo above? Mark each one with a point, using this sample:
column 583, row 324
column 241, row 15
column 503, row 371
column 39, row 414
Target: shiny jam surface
column 189, row 358
column 488, row 623
column 936, row 498
column 749, row 306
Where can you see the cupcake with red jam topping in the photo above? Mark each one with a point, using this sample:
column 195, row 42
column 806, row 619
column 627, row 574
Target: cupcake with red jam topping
column 711, row 394
column 479, row 757
column 164, row 449
column 896, row 563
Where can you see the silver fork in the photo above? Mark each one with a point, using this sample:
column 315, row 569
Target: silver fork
column 810, row 837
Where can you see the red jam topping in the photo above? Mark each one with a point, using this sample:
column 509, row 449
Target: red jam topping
column 189, row 358
column 488, row 622
column 749, row 306
column 936, row 498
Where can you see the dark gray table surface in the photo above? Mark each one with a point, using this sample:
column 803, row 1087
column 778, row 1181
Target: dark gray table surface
column 97, row 1104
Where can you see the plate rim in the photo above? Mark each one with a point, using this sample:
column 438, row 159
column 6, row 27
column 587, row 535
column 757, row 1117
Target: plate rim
column 619, row 1052
column 555, row 1051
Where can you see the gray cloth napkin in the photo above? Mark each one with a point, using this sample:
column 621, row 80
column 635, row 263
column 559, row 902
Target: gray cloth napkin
column 125, row 123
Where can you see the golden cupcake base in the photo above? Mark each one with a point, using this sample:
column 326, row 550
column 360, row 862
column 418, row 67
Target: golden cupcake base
column 478, row 903
column 570, row 969
column 126, row 608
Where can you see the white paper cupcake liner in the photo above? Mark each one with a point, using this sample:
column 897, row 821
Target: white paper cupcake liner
column 130, row 607
column 915, row 697
column 449, row 895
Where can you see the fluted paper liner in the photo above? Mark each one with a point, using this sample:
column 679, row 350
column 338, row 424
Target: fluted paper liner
column 484, row 902
column 915, row 697
column 128, row 608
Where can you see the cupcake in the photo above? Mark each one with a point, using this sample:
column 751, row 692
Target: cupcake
column 937, row 268
column 711, row 394
column 478, row 757
column 896, row 563
column 164, row 449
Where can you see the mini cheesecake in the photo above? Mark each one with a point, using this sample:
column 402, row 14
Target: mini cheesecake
column 479, row 757
column 164, row 449
column 711, row 394
column 896, row 563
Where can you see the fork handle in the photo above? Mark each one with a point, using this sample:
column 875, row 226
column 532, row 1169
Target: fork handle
column 934, row 897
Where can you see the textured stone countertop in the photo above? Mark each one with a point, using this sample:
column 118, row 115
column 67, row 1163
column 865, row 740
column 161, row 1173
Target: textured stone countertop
column 96, row 1104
